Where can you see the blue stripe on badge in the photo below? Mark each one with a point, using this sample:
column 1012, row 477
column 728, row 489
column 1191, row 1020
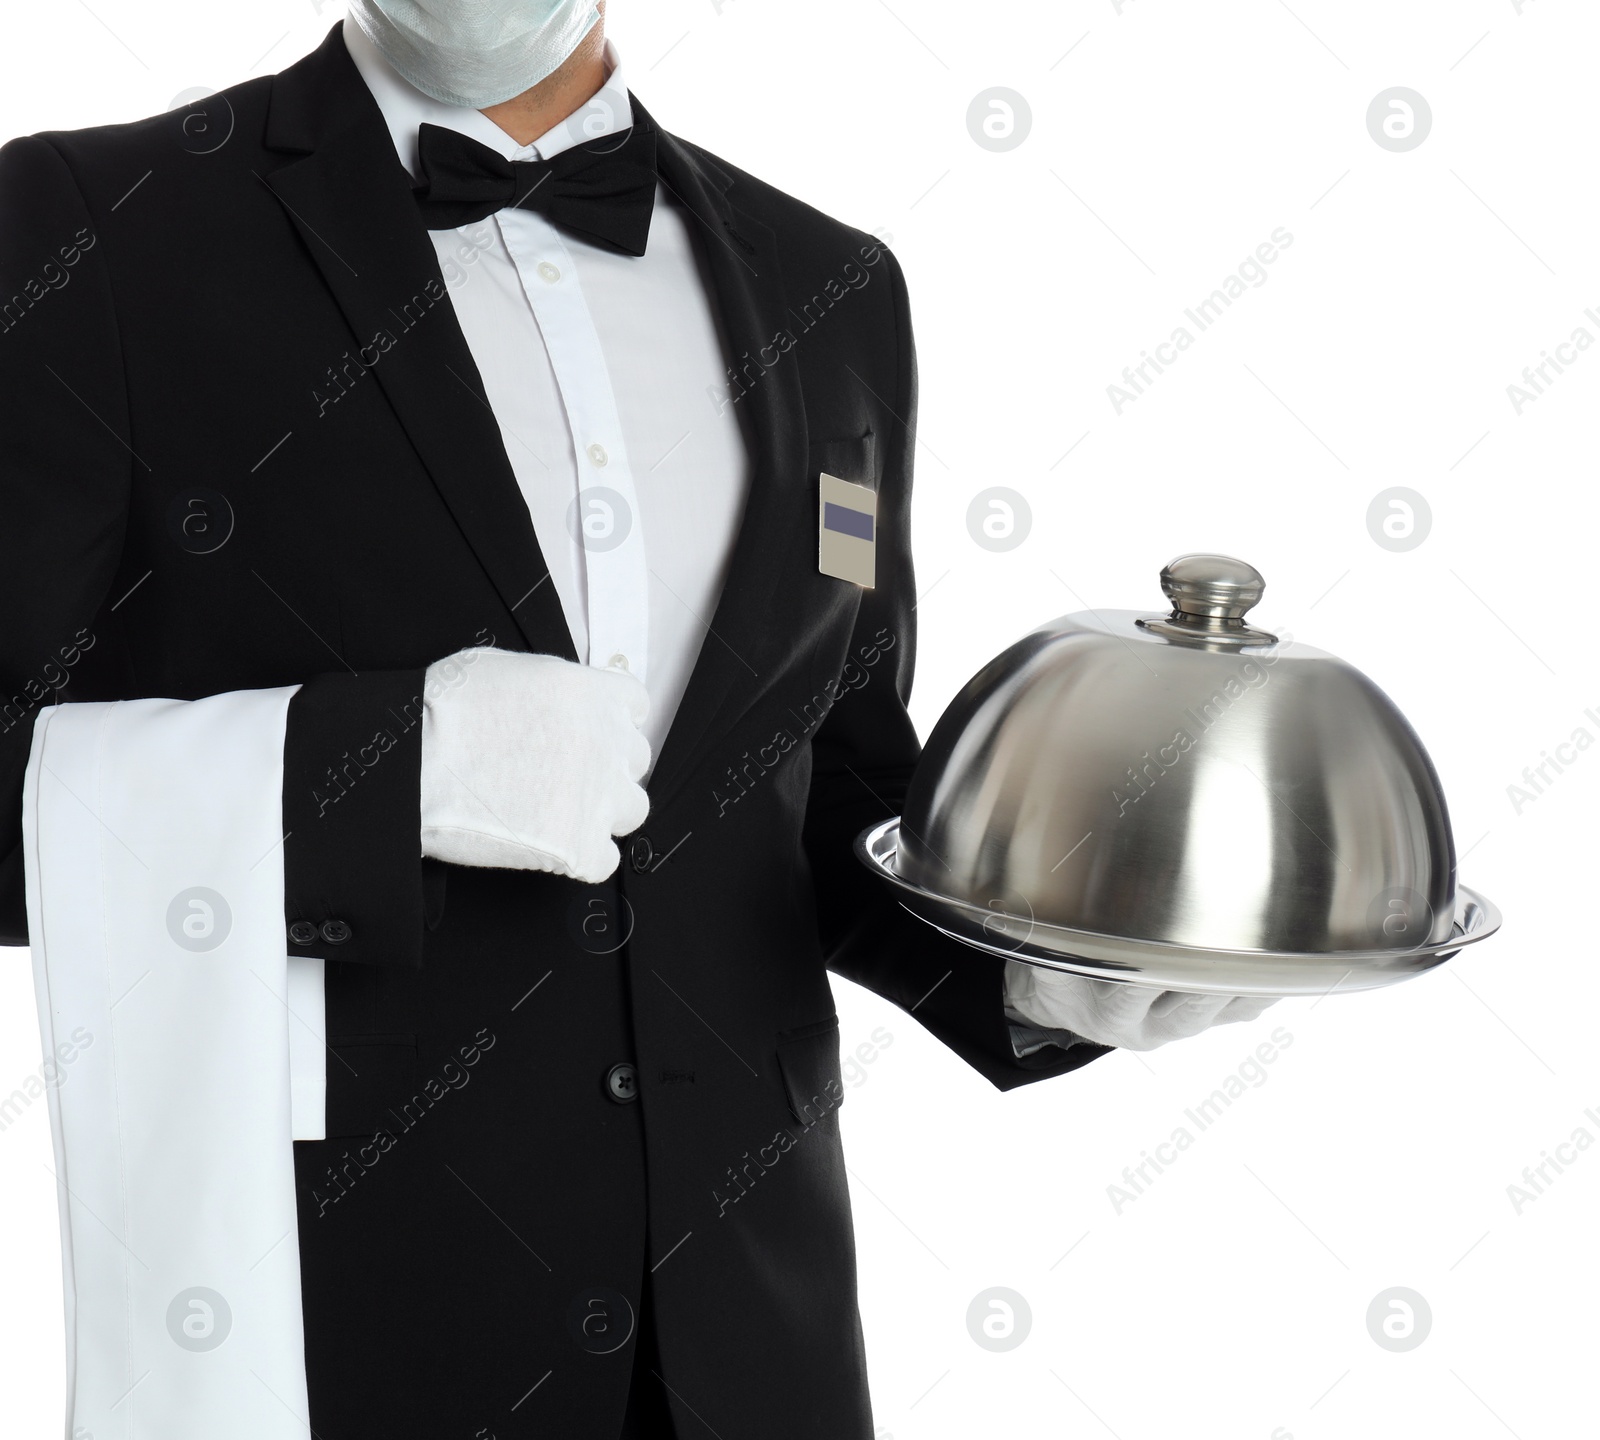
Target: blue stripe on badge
column 846, row 521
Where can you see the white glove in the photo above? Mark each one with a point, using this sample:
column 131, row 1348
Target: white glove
column 1109, row 1012
column 531, row 762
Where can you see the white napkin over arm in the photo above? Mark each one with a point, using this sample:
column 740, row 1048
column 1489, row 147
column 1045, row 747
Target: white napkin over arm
column 155, row 900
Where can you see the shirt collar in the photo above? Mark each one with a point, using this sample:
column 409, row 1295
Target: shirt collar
column 405, row 108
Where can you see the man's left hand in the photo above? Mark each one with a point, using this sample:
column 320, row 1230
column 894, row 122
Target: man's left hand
column 1110, row 1012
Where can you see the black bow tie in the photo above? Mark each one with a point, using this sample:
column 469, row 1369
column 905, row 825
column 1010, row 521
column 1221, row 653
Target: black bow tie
column 601, row 191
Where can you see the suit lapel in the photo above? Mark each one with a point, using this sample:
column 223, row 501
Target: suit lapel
column 350, row 199
column 747, row 637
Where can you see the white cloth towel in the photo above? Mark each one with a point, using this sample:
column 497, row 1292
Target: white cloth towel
column 152, row 836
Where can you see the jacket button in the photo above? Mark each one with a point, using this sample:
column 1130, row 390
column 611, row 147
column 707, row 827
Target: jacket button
column 302, row 932
column 622, row 1083
column 640, row 853
column 335, row 932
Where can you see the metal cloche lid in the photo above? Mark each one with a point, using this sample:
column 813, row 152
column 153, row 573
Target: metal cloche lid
column 1182, row 800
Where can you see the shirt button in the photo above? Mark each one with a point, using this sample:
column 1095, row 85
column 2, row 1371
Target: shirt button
column 548, row 272
column 640, row 853
column 622, row 1083
column 302, row 932
column 335, row 932
column 619, row 661
column 597, row 453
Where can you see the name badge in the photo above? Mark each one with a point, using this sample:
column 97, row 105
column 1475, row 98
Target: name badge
column 847, row 521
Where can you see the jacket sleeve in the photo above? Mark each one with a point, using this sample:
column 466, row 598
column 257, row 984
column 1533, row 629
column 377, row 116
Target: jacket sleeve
column 352, row 849
column 67, row 471
column 863, row 756
column 65, row 464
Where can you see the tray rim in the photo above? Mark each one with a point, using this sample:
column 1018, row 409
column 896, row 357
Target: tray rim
column 1136, row 962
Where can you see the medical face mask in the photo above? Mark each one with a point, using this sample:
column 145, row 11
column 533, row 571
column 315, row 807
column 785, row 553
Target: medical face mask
column 475, row 52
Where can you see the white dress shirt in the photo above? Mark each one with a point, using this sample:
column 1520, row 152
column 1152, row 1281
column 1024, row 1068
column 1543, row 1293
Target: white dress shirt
column 602, row 371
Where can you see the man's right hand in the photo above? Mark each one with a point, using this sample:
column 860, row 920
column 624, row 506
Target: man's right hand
column 531, row 762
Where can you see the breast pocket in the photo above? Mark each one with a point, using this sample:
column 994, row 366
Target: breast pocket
column 850, row 457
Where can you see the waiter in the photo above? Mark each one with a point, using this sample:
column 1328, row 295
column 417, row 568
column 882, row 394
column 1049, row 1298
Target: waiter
column 433, row 377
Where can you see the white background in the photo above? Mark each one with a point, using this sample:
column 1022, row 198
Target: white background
column 1166, row 142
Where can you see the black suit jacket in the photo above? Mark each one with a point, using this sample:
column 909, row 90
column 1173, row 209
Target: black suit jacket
column 246, row 445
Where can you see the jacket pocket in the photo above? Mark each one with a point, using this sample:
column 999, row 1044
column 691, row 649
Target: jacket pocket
column 808, row 1059
column 369, row 1077
column 852, row 458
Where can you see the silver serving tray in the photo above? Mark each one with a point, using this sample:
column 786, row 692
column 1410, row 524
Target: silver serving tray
column 1166, row 966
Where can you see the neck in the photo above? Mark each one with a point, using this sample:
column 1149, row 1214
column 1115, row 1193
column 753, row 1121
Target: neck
column 527, row 116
